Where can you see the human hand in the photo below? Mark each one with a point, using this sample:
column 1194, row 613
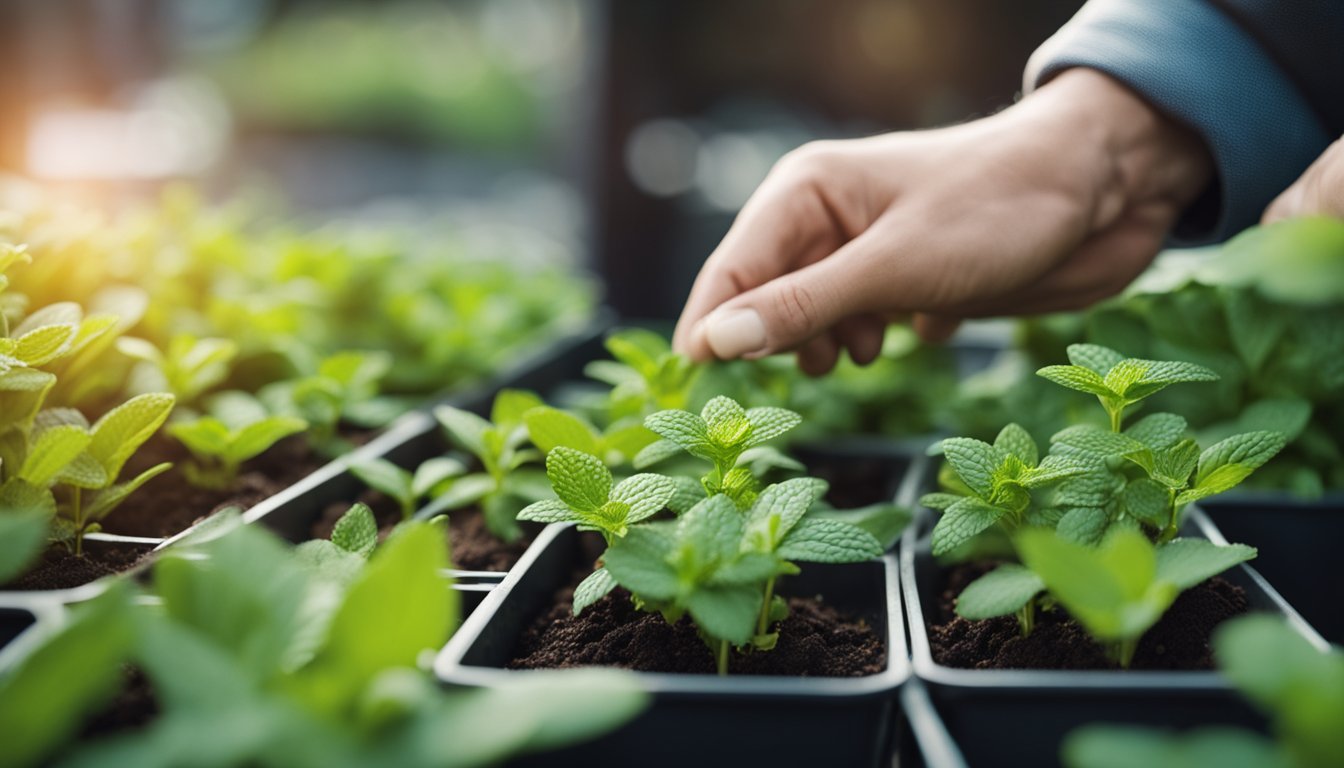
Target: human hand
column 1052, row 204
column 1320, row 190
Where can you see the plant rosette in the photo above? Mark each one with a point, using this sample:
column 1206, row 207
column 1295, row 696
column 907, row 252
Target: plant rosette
column 1022, row 714
column 742, row 715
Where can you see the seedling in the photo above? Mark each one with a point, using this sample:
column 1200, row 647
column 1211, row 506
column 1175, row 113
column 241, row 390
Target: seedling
column 188, row 368
column 237, row 429
column 431, row 478
column 720, row 434
column 550, row 428
column 344, row 386
column 504, row 483
column 588, row 496
column 1299, row 686
column 646, row 376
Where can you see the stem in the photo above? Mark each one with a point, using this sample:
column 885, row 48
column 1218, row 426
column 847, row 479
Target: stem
column 1127, row 648
column 763, row 623
column 79, row 522
column 1169, row 532
column 723, row 658
column 1117, row 416
column 1026, row 617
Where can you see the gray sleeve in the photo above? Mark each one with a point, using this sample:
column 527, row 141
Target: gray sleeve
column 1202, row 67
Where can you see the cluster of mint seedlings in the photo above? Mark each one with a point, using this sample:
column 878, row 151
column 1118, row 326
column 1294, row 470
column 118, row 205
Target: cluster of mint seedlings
column 1095, row 522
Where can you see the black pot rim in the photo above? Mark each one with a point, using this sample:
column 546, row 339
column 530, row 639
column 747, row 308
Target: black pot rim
column 450, row 669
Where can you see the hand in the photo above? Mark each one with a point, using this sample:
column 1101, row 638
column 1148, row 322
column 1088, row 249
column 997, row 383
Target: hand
column 1052, row 204
column 1319, row 191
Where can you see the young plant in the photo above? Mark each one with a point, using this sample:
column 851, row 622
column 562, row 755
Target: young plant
column 1117, row 591
column 550, row 428
column 721, row 433
column 237, row 428
column 431, row 478
column 589, row 497
column 505, row 483
column 188, row 368
column 344, row 389
column 646, row 375
column 1299, row 686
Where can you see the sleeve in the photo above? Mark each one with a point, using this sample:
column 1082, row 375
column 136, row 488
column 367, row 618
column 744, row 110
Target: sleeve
column 1196, row 64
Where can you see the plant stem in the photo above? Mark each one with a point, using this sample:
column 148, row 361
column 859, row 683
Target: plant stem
column 78, row 515
column 1127, row 648
column 1026, row 617
column 762, row 624
column 1117, row 416
column 723, row 658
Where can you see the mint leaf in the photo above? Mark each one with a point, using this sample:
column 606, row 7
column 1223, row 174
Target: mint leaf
column 713, row 527
column 1015, row 441
column 655, row 452
column 1077, row 378
column 787, row 502
column 1091, row 440
column 939, row 501
column 125, row 428
column 356, row 531
column 726, row 422
column 548, row 511
column 727, row 612
column 581, row 480
column 1146, row 501
column 51, row 451
column 961, row 522
column 817, row 540
column 434, row 474
column 1083, row 525
column 974, row 461
column 1096, row 358
column 1000, row 592
column 383, row 475
column 769, row 423
column 1187, row 562
column 464, row 427
column 1157, row 431
column 596, row 586
column 550, row 428
column 684, row 429
column 638, row 562
column 646, row 495
column 1250, row 450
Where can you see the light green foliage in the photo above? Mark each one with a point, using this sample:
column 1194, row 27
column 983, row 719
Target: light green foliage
column 1300, row 687
column 343, row 388
column 646, row 375
column 356, row 531
column 588, row 496
column 999, row 478
column 258, row 657
column 1002, row 591
column 550, row 428
column 720, row 434
column 1118, row 590
column 1117, row 381
column 431, row 478
column 505, row 482
column 188, row 368
column 237, row 427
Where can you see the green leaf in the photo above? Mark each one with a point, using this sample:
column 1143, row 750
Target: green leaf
column 1187, row 562
column 974, row 462
column 434, row 474
column 769, row 423
column 1250, row 450
column 1173, row 466
column 255, row 438
column 551, row 427
column 1095, row 358
column 511, row 406
column 939, row 501
column 356, row 531
column 787, row 502
column 1083, row 525
column 638, row 562
column 1055, row 468
column 25, row 515
column 1125, row 375
column 548, row 511
column 726, row 423
column 120, row 432
column 45, row 699
column 886, row 522
column 383, row 475
column 726, row 612
column 102, row 503
column 42, row 345
column 465, row 428
column 816, row 540
column 596, row 586
column 1157, row 431
column 464, row 491
column 1076, row 377
column 682, row 428
column 1015, row 441
column 1092, row 440
column 1147, row 501
column 1102, row 746
column 581, row 480
column 646, row 495
column 655, row 452
column 51, row 451
column 1000, row 592
column 963, row 521
column 713, row 528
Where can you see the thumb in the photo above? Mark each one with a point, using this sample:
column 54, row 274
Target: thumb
column 792, row 309
column 1320, row 190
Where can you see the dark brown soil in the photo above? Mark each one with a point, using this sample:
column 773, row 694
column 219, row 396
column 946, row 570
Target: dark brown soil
column 1179, row 641
column 134, row 707
column 474, row 547
column 856, row 481
column 169, row 504
column 61, row 569
column 815, row 641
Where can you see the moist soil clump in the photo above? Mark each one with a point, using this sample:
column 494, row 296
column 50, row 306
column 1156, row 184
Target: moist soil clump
column 815, row 640
column 474, row 547
column 1179, row 641
column 60, row 568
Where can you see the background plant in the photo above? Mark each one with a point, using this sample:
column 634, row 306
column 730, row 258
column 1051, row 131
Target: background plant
column 235, row 428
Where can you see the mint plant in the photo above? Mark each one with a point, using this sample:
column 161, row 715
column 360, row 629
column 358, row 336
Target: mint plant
column 504, row 483
column 1299, row 686
column 620, row 443
column 646, row 375
column 188, row 368
column 589, row 497
column 721, row 433
column 433, row 477
column 343, row 389
column 237, row 428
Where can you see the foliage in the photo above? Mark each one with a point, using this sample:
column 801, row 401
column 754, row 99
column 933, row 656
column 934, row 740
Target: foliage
column 259, row 654
column 237, row 428
column 588, row 496
column 432, row 478
column 1299, row 686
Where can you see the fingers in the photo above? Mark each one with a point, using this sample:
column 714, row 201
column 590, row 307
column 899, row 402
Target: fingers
column 936, row 328
column 862, row 335
column 1320, row 190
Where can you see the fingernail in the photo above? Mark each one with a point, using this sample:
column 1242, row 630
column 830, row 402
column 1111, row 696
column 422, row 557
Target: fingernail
column 735, row 332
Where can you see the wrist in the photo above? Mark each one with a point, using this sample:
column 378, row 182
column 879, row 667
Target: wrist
column 1129, row 152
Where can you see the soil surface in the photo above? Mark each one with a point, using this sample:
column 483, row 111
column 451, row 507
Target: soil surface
column 474, row 547
column 59, row 568
column 814, row 641
column 856, row 481
column 1179, row 641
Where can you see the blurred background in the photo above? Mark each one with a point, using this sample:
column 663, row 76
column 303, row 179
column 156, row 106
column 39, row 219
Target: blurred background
column 624, row 133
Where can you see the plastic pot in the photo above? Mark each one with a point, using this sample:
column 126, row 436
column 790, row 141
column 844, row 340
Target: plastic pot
column 1297, row 540
column 755, row 720
column 1019, row 717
